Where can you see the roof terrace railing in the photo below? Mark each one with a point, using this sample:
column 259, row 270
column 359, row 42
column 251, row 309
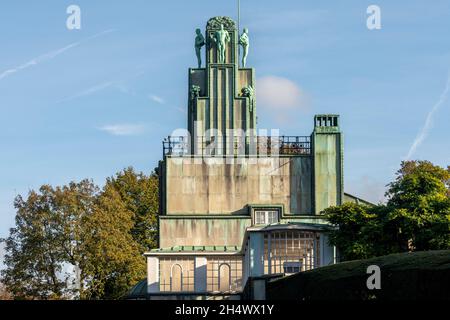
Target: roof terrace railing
column 180, row 146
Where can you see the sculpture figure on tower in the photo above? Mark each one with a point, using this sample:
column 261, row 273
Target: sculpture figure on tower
column 244, row 41
column 199, row 43
column 221, row 38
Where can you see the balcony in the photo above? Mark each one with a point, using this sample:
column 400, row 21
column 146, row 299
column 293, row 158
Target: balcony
column 180, row 146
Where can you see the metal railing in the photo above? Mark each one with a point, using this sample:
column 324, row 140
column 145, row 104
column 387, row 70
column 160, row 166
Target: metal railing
column 261, row 145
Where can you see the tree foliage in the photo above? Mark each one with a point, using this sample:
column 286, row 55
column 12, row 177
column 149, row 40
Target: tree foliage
column 415, row 217
column 139, row 193
column 77, row 241
column 4, row 294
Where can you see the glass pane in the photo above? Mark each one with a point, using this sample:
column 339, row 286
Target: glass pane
column 273, row 216
column 259, row 217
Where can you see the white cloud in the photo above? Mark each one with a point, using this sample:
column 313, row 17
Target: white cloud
column 423, row 133
column 157, row 99
column 280, row 93
column 48, row 56
column 123, row 129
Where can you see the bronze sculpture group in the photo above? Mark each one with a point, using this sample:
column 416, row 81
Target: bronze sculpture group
column 221, row 38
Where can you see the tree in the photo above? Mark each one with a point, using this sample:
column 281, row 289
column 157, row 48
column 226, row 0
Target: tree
column 357, row 229
column 415, row 217
column 45, row 240
column 32, row 260
column 74, row 205
column 139, row 193
column 419, row 206
column 75, row 241
column 4, row 294
column 114, row 262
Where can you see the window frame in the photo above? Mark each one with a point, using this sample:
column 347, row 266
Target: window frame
column 271, row 215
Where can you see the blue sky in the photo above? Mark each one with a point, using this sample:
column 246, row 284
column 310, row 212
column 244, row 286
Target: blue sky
column 89, row 102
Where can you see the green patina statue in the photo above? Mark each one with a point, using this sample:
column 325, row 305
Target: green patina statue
column 249, row 92
column 199, row 43
column 244, row 41
column 221, row 38
column 195, row 91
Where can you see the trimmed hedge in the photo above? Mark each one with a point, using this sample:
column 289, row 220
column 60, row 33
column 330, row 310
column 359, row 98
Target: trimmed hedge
column 404, row 276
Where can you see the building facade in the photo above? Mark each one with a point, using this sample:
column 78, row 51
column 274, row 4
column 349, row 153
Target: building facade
column 236, row 205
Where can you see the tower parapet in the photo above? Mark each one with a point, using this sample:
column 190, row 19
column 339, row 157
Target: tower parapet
column 327, row 145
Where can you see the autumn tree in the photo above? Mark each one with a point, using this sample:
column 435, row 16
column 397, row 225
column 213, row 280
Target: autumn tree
column 115, row 261
column 139, row 193
column 45, row 241
column 4, row 294
column 77, row 241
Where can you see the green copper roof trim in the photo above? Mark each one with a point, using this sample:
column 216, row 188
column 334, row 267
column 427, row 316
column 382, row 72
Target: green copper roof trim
column 197, row 249
column 230, row 216
column 288, row 223
column 204, row 216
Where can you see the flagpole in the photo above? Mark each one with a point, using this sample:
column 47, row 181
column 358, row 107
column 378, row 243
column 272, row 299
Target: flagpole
column 239, row 16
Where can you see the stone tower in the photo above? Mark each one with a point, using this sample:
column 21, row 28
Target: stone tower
column 221, row 99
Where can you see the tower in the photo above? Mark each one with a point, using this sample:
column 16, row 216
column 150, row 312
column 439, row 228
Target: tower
column 327, row 142
column 221, row 103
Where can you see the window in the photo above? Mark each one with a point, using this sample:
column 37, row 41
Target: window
column 292, row 267
column 224, row 274
column 176, row 278
column 285, row 251
column 176, row 274
column 224, row 278
column 266, row 216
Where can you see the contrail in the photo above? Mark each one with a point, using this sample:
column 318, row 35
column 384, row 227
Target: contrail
column 49, row 55
column 423, row 133
column 89, row 91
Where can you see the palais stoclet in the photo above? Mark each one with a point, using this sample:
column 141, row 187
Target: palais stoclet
column 236, row 206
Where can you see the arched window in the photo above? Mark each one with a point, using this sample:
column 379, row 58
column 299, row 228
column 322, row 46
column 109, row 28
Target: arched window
column 176, row 278
column 224, row 277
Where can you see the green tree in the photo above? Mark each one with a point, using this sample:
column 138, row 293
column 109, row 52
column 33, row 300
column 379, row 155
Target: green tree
column 357, row 228
column 415, row 217
column 419, row 206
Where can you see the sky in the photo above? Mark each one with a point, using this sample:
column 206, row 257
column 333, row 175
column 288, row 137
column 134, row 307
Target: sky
column 87, row 103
